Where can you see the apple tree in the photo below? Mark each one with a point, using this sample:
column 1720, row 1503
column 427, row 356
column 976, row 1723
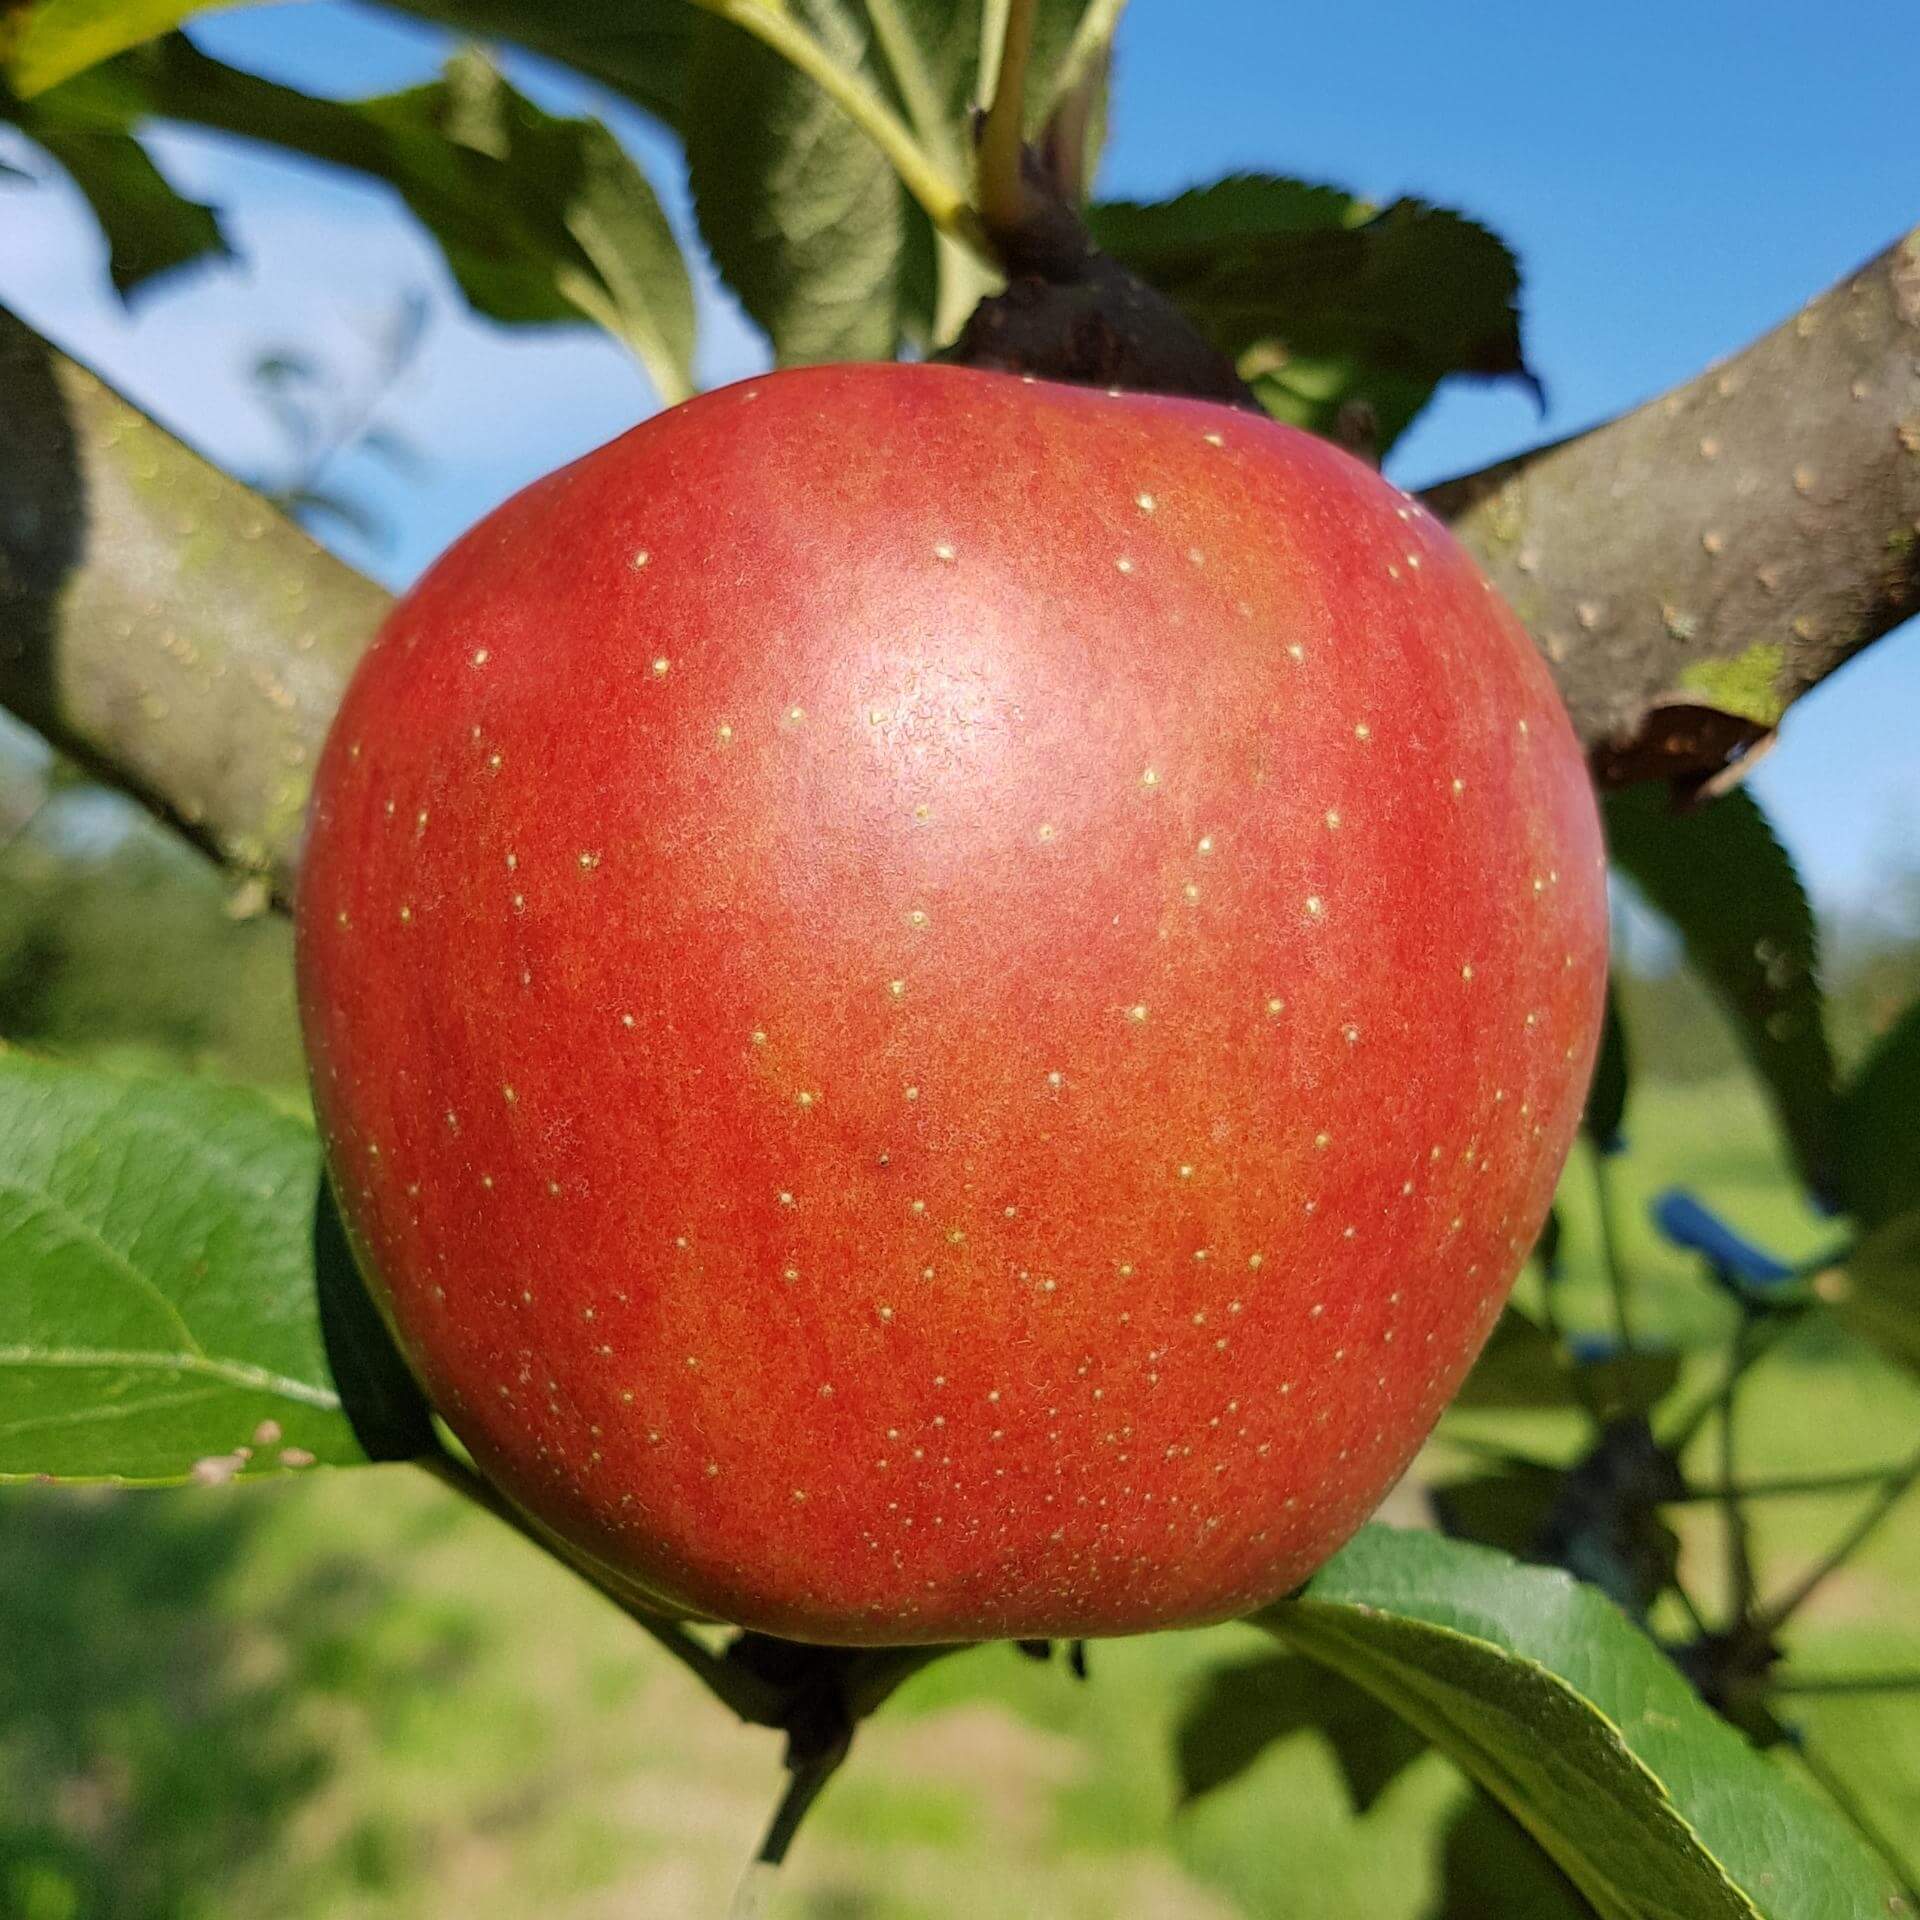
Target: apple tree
column 990, row 915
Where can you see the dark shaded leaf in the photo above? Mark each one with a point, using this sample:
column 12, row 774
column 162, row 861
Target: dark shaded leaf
column 1564, row 1711
column 1729, row 888
column 1523, row 1366
column 1343, row 317
column 1607, row 1097
column 1244, row 1709
column 1878, row 1135
column 1520, row 1366
column 1492, row 1868
column 388, row 1413
column 159, row 1316
column 637, row 47
column 1876, row 1291
column 151, row 230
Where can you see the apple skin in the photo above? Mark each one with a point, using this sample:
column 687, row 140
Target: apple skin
column 942, row 1007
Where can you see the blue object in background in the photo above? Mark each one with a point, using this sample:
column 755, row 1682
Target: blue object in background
column 1690, row 1223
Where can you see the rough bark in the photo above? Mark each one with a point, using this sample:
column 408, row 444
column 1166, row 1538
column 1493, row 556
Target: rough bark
column 1694, row 567
column 160, row 622
column 1689, row 570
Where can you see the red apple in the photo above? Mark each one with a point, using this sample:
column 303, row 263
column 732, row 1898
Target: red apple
column 942, row 1007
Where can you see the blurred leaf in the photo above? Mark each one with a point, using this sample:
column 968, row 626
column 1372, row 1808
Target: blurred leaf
column 1331, row 307
column 281, row 368
column 1244, row 1709
column 1564, row 1711
column 151, row 229
column 52, row 40
column 1730, row 890
column 1607, row 1096
column 1523, row 1367
column 540, row 219
column 328, row 503
column 1601, row 1519
column 393, row 448
column 1520, row 1366
column 1876, row 1291
column 159, row 1316
column 637, row 47
column 1491, row 1867
column 1505, row 1508
column 1546, row 1249
column 805, row 217
column 1623, row 1384
column 1878, row 1151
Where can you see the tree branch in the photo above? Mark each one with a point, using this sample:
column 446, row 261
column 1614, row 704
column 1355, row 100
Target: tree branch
column 158, row 621
column 1689, row 570
column 1694, row 567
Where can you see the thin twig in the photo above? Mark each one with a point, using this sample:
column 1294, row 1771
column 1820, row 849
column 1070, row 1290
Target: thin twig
column 1739, row 1547
column 1856, row 1816
column 1792, row 1486
column 1841, row 1683
column 748, row 1697
column 1760, row 1341
column 1610, row 1245
column 1777, row 1613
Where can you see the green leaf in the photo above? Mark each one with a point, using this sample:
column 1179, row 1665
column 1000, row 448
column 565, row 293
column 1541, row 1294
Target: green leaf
column 55, row 39
column 803, row 214
column 638, row 48
column 1341, row 316
column 1607, row 1097
column 1524, row 1367
column 150, row 228
column 541, row 219
column 804, row 217
column 159, row 1314
column 1245, row 1708
column 1876, row 1291
column 1878, row 1130
column 1728, row 886
column 1560, row 1707
column 1491, row 1866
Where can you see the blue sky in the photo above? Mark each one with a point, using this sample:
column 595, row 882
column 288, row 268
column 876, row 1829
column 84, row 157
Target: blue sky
column 1675, row 178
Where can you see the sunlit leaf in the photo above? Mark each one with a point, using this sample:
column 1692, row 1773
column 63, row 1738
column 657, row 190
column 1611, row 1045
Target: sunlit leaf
column 161, row 1294
column 1563, row 1710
